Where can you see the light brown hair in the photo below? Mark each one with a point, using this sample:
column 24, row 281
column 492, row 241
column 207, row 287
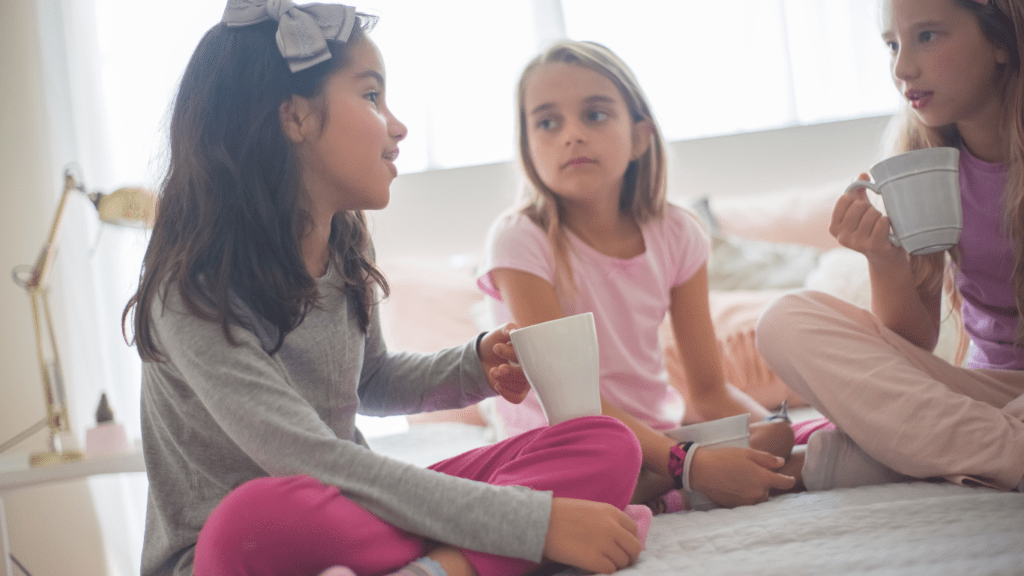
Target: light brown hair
column 1002, row 22
column 644, row 184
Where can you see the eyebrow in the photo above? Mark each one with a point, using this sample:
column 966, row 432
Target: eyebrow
column 589, row 100
column 372, row 74
column 916, row 27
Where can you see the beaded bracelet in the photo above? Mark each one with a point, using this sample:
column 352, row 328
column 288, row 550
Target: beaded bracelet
column 679, row 464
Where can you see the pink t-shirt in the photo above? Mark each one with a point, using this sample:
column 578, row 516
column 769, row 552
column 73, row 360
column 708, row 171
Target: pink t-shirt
column 629, row 299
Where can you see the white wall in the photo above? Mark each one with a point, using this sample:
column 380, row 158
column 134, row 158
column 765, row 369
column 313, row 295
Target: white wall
column 53, row 530
column 447, row 212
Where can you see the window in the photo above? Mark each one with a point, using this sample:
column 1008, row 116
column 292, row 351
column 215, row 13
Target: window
column 709, row 68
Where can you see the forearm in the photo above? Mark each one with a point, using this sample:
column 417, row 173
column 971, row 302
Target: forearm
column 726, row 400
column 411, row 382
column 653, row 444
column 901, row 306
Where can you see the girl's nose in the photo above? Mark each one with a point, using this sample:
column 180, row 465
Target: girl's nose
column 573, row 134
column 904, row 66
column 396, row 129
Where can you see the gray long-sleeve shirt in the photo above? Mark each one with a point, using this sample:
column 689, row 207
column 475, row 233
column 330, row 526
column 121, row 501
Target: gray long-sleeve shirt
column 215, row 416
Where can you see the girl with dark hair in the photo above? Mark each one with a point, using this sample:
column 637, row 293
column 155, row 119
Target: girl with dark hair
column 903, row 413
column 257, row 320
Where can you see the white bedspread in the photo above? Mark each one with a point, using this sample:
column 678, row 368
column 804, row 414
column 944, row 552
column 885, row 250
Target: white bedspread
column 918, row 528
column 898, row 529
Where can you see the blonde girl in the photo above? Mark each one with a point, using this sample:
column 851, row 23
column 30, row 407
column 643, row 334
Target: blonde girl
column 902, row 413
column 257, row 320
column 594, row 233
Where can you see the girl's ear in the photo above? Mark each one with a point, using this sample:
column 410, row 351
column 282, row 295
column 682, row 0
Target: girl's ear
column 642, row 132
column 293, row 112
column 1002, row 55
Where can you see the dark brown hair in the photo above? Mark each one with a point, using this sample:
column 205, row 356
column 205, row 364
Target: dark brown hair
column 231, row 217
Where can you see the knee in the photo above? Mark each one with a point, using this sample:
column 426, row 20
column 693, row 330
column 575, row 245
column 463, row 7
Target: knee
column 252, row 512
column 269, row 496
column 779, row 328
column 618, row 445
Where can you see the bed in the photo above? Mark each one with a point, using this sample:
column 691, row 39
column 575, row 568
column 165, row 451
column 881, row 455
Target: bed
column 761, row 247
column 933, row 529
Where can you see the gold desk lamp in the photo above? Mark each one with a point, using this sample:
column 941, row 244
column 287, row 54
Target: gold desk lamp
column 133, row 207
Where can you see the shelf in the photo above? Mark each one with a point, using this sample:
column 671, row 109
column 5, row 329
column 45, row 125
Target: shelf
column 16, row 473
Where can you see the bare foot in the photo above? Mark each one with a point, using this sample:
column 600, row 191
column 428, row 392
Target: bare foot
column 773, row 437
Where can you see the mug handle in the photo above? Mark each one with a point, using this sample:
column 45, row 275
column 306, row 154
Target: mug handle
column 870, row 186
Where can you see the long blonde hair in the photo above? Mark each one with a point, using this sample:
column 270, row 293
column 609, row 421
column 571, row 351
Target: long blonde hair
column 644, row 184
column 1002, row 22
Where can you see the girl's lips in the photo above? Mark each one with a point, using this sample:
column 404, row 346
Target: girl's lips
column 918, row 98
column 578, row 161
column 390, row 157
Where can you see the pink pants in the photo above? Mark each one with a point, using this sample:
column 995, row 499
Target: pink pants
column 904, row 406
column 298, row 526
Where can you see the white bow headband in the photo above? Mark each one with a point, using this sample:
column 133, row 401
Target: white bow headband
column 302, row 31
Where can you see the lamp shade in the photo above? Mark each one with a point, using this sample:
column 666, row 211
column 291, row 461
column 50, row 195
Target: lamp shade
column 135, row 207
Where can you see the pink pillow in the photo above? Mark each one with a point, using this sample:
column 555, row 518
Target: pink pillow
column 798, row 216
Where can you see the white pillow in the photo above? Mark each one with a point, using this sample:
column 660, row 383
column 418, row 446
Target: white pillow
column 843, row 273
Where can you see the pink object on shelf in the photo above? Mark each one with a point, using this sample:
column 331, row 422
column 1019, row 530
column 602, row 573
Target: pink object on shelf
column 105, row 439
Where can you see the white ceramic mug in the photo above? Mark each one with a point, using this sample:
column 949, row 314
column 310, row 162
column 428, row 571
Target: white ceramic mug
column 729, row 431
column 561, row 363
column 921, row 193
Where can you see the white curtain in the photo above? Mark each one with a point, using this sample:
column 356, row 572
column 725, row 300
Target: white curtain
column 709, row 67
column 110, row 68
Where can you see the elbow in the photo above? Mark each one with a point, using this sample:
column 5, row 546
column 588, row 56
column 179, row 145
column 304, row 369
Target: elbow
column 924, row 338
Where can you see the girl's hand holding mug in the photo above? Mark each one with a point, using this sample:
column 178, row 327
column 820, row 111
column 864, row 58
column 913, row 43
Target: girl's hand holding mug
column 861, row 227
column 921, row 193
column 501, row 365
column 732, row 476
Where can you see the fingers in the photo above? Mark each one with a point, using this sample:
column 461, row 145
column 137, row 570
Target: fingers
column 624, row 553
column 855, row 221
column 626, row 547
column 781, row 481
column 626, row 522
column 842, row 215
column 617, row 558
column 773, row 479
column 505, row 384
column 505, row 351
column 632, row 547
column 766, row 460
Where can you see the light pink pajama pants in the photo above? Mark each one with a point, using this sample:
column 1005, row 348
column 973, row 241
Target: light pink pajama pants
column 904, row 406
column 297, row 526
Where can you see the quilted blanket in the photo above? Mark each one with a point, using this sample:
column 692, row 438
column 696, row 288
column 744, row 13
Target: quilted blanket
column 918, row 528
